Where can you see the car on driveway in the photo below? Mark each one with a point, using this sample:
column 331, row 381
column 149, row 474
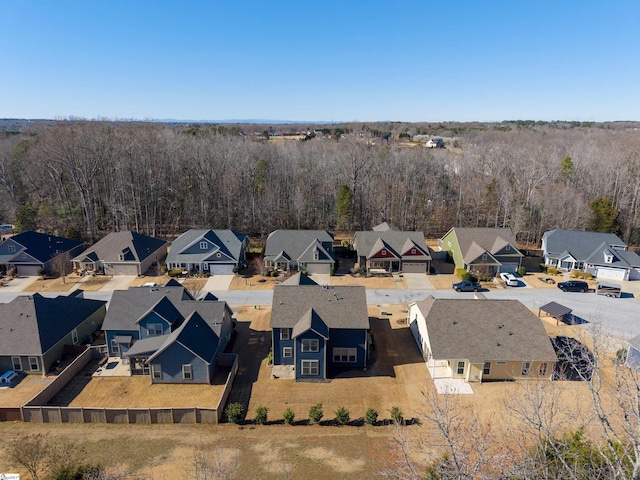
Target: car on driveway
column 466, row 286
column 509, row 279
column 573, row 286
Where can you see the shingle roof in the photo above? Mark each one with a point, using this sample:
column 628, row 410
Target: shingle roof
column 485, row 330
column 621, row 258
column 581, row 245
column 310, row 321
column 31, row 325
column 490, row 239
column 338, row 307
column 228, row 241
column 295, row 242
column 299, row 279
column 42, row 246
column 135, row 246
column 383, row 227
column 367, row 243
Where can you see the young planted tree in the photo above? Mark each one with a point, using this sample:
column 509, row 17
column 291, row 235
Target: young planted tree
column 316, row 413
column 371, row 416
column 261, row 415
column 342, row 416
column 234, row 412
column 289, row 416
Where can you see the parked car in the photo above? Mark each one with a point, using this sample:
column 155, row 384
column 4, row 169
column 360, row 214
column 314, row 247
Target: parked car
column 466, row 286
column 509, row 279
column 574, row 286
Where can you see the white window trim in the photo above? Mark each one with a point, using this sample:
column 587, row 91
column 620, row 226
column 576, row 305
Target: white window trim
column 156, row 371
column 115, row 346
column 543, row 369
column 218, row 255
column 484, row 367
column 204, row 245
column 187, row 372
column 11, row 248
column 74, row 336
column 14, row 363
column 32, row 362
column 526, row 369
column 287, row 352
column 383, row 252
column 310, row 342
column 484, row 256
column 285, row 334
column 343, row 355
column 508, row 247
column 310, row 366
column 153, row 333
column 458, row 363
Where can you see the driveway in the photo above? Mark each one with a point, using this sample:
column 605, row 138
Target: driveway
column 18, row 284
column 118, row 282
column 321, row 278
column 417, row 281
column 218, row 283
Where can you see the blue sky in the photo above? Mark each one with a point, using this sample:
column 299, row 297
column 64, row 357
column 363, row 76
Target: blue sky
column 321, row 61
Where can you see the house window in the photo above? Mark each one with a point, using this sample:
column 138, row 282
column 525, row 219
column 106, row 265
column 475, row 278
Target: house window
column 156, row 371
column 526, row 368
column 33, row 363
column 12, row 248
column 154, row 329
column 344, row 355
column 17, row 363
column 205, row 267
column 542, row 371
column 74, row 336
column 187, row 372
column 310, row 345
column 310, row 367
column 501, row 363
column 284, row 333
column 486, row 370
column 460, row 368
column 115, row 347
column 121, row 257
column 287, row 352
column 484, row 256
column 413, row 251
column 507, row 248
column 204, row 245
column 218, row 255
column 24, row 256
column 383, row 252
column 608, row 259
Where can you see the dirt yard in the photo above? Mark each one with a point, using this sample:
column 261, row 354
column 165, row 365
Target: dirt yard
column 93, row 284
column 157, row 279
column 253, row 282
column 20, row 393
column 53, row 284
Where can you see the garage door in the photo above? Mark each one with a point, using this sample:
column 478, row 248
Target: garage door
column 509, row 267
column 125, row 269
column 28, row 270
column 318, row 268
column 221, row 268
column 414, row 267
column 610, row 273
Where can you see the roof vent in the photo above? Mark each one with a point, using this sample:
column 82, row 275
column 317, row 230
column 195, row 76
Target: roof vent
column 455, row 322
column 499, row 344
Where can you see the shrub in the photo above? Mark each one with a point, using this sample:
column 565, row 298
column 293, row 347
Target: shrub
column 274, row 273
column 353, row 271
column 332, row 271
column 588, row 276
column 165, row 269
column 371, row 416
column 396, row 414
column 462, row 274
column 289, row 416
column 234, row 412
column 543, row 268
column 316, row 413
column 621, row 356
column 42, row 272
column 522, row 271
column 174, row 272
column 261, row 415
column 552, row 271
column 235, row 269
column 342, row 416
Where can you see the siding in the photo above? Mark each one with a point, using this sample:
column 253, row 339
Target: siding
column 172, row 360
column 348, row 338
column 319, row 355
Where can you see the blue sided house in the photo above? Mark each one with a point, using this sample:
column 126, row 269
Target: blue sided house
column 165, row 333
column 320, row 330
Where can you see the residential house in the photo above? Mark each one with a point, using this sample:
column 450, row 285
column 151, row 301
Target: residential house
column 481, row 340
column 32, row 252
column 164, row 332
column 34, row 329
column 603, row 255
column 319, row 329
column 217, row 252
column 310, row 251
column 387, row 249
column 482, row 250
column 122, row 253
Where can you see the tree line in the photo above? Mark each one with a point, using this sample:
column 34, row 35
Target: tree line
column 84, row 179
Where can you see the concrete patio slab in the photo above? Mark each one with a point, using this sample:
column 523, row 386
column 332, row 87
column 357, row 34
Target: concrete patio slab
column 18, row 284
column 118, row 282
column 417, row 281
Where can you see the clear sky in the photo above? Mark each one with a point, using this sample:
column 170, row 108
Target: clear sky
column 321, row 61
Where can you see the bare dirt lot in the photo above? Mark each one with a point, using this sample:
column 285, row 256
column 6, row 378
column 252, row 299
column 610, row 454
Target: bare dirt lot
column 23, row 391
column 53, row 284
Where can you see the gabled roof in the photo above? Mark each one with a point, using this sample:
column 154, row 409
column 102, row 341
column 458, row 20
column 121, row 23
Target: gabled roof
column 166, row 310
column 134, row 246
column 41, row 246
column 31, row 325
column 621, row 258
column 473, row 241
column 475, row 252
column 580, row 244
column 227, row 242
column 383, row 227
column 315, row 253
column 293, row 243
column 310, row 321
column 380, row 245
column 299, row 279
column 485, row 330
column 396, row 240
column 338, row 307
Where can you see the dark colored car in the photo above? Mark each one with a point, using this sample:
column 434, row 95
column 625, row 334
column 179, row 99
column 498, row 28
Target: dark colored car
column 574, row 286
column 466, row 286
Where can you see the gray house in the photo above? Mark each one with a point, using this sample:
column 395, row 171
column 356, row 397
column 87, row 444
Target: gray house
column 34, row 329
column 482, row 250
column 31, row 252
column 304, row 250
column 603, row 255
column 164, row 332
column 122, row 253
column 216, row 252
column 387, row 249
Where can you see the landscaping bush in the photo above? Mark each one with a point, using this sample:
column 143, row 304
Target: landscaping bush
column 342, row 416
column 316, row 413
column 543, row 268
column 552, row 271
column 174, row 272
column 332, row 271
column 261, row 415
column 235, row 269
column 462, row 274
column 289, row 416
column 396, row 414
column 522, row 271
column 371, row 416
column 234, row 412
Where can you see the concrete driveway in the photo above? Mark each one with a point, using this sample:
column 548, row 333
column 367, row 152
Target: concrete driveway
column 321, row 278
column 18, row 284
column 417, row 281
column 218, row 283
column 118, row 282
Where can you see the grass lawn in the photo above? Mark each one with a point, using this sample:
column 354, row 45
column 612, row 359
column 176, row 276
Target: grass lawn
column 20, row 393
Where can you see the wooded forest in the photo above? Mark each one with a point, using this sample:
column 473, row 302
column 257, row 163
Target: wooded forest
column 84, row 179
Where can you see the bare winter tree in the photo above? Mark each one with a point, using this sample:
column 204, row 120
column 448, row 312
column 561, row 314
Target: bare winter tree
column 61, row 265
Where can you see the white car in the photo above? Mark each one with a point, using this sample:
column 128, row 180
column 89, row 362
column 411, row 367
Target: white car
column 509, row 279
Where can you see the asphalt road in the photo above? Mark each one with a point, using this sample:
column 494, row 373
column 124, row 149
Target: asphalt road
column 619, row 317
